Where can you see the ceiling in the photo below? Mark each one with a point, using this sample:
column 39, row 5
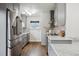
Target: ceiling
column 36, row 7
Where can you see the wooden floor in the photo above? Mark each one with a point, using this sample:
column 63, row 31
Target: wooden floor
column 34, row 49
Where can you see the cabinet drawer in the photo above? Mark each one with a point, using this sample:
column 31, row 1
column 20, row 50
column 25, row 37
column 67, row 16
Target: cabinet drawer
column 51, row 51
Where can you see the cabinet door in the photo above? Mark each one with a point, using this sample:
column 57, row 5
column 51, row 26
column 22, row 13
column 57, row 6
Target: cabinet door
column 14, row 51
column 60, row 14
column 28, row 37
column 51, row 50
column 19, row 25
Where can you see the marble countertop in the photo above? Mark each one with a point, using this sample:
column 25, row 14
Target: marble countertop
column 58, row 38
column 67, row 49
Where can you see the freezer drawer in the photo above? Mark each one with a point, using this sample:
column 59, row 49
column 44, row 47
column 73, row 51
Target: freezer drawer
column 16, row 51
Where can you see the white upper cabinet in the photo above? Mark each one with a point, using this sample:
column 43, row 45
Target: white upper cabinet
column 16, row 7
column 60, row 14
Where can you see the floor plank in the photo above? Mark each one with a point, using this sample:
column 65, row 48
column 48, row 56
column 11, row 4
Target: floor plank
column 34, row 49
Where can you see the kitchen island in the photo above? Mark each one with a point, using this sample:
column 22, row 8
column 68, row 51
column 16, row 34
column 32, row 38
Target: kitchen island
column 63, row 49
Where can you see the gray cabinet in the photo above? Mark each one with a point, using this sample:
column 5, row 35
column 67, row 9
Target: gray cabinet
column 25, row 39
column 18, row 43
column 18, row 25
column 16, row 51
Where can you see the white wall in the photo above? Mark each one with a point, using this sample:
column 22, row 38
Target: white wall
column 72, row 20
column 35, row 34
column 42, row 14
column 2, row 31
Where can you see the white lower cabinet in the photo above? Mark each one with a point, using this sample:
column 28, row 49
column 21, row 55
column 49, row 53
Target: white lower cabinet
column 51, row 50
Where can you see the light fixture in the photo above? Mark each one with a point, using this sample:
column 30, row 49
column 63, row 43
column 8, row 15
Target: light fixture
column 28, row 12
